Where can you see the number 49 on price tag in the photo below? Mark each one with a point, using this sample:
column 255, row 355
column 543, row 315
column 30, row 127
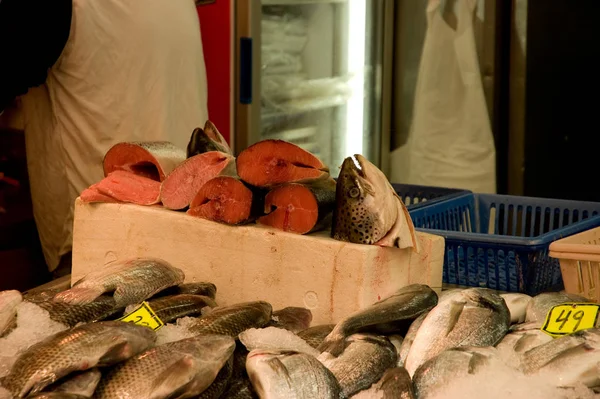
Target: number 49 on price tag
column 568, row 318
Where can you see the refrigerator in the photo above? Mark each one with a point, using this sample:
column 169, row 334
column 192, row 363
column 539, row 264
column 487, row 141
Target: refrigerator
column 317, row 73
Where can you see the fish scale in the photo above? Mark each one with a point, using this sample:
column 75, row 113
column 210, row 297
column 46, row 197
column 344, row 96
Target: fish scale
column 232, row 320
column 69, row 315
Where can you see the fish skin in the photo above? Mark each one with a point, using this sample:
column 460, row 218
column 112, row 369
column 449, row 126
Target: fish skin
column 232, row 320
column 81, row 348
column 394, row 384
column 70, row 315
column 218, row 386
column 171, row 308
column 203, row 288
column 41, row 296
column 364, row 360
column 288, row 374
column 519, row 342
column 451, row 364
column 9, row 301
column 133, row 281
column 180, row 369
column 409, row 338
column 390, row 315
column 540, row 305
column 240, row 389
column 82, row 384
column 57, row 395
column 314, row 336
column 239, row 361
column 273, row 338
column 472, row 317
column 517, row 306
column 205, row 140
column 368, row 210
column 292, row 318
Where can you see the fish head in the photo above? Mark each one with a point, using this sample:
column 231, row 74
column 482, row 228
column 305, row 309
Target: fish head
column 365, row 207
column 205, row 140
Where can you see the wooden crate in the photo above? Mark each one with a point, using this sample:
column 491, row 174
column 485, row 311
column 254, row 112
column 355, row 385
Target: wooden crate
column 330, row 277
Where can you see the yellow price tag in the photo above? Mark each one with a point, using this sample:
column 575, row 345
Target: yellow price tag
column 143, row 315
column 568, row 318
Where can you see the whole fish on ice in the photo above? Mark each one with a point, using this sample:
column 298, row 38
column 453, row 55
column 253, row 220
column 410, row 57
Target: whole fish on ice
column 232, row 320
column 394, row 384
column 9, row 300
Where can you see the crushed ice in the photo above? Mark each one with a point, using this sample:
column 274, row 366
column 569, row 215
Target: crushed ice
column 33, row 325
column 175, row 332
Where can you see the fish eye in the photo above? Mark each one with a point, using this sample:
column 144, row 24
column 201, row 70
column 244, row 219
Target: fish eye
column 354, row 192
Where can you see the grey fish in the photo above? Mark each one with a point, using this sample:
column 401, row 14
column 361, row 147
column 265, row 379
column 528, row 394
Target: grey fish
column 314, row 336
column 90, row 345
column 232, row 320
column 409, row 338
column 451, row 364
column 240, row 389
column 70, row 315
column 390, row 315
column 517, row 306
column 9, row 301
column 83, row 384
column 181, row 369
column 368, row 210
column 205, row 140
column 288, row 374
column 218, row 386
column 41, row 296
column 472, row 317
column 394, row 384
column 273, row 338
column 292, row 318
column 540, row 305
column 57, row 395
column 202, row 288
column 171, row 308
column 132, row 280
column 570, row 359
column 362, row 363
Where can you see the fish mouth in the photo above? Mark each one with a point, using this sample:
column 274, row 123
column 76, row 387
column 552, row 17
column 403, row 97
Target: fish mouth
column 357, row 160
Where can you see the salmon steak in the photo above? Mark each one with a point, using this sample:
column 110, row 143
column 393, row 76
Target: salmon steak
column 122, row 186
column 181, row 186
column 151, row 159
column 223, row 199
column 272, row 162
column 300, row 208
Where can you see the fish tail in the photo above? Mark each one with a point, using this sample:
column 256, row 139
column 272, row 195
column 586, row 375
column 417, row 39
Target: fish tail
column 333, row 346
column 78, row 295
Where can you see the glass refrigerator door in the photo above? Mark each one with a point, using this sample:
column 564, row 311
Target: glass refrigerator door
column 319, row 76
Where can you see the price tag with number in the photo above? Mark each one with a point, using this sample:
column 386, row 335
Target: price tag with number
column 143, row 315
column 568, row 318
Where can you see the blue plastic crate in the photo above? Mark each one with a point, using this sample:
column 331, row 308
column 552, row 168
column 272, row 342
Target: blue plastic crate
column 415, row 197
column 501, row 241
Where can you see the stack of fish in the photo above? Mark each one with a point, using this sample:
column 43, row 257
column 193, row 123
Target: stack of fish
column 412, row 344
column 273, row 182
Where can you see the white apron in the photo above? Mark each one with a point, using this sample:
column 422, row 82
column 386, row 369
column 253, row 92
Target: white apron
column 451, row 142
column 131, row 70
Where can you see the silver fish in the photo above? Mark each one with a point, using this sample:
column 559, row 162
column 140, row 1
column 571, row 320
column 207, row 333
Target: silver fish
column 540, row 305
column 81, row 348
column 132, row 280
column 83, row 384
column 394, row 384
column 232, row 320
column 568, row 360
column 472, row 317
column 515, row 344
column 181, row 369
column 292, row 318
column 392, row 314
column 517, row 306
column 286, row 374
column 362, row 363
column 273, row 338
column 368, row 210
column 9, row 300
column 451, row 364
column 409, row 338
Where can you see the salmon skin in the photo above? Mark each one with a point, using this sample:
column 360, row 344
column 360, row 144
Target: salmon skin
column 206, row 140
column 122, row 186
column 151, row 159
column 224, row 199
column 300, row 208
column 272, row 162
column 181, row 186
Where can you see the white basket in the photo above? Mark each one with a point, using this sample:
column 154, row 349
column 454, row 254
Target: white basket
column 579, row 257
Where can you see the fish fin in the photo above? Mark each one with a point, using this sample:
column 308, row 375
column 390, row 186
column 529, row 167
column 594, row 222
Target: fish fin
column 279, row 368
column 456, row 309
column 173, row 379
column 477, row 362
column 119, row 351
column 403, row 233
column 78, row 295
column 333, row 346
